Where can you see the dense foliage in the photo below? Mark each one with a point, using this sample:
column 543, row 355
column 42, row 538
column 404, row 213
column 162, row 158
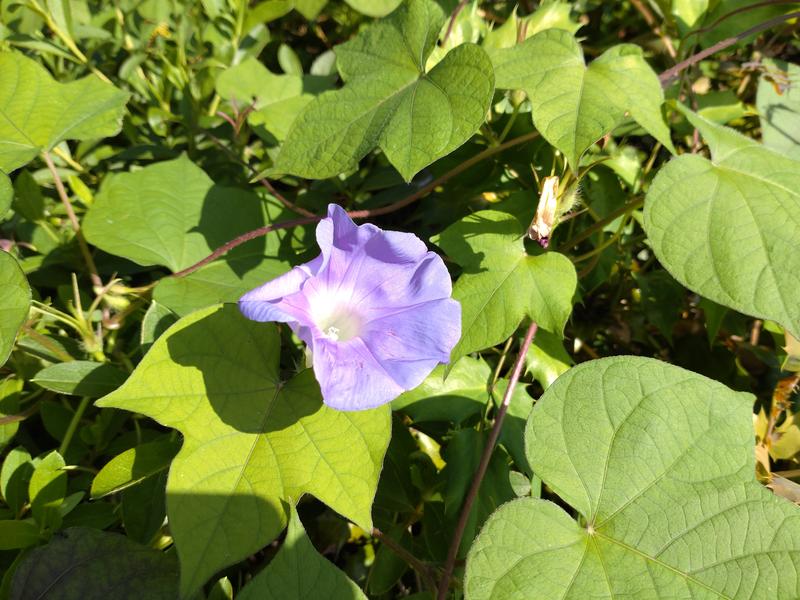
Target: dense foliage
column 614, row 189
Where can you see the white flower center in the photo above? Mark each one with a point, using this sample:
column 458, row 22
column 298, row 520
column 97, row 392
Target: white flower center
column 340, row 324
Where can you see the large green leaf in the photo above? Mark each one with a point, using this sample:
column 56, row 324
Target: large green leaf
column 172, row 214
column 276, row 99
column 575, row 105
column 94, row 565
column 6, row 194
column 298, row 571
column 778, row 103
column 251, row 440
column 659, row 464
column 389, row 101
column 501, row 283
column 15, row 298
column 36, row 112
column 374, row 8
column 729, row 228
column 169, row 214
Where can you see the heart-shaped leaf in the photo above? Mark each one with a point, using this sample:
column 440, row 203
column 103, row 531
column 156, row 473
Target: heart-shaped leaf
column 659, row 464
column 501, row 283
column 574, row 105
column 729, row 228
column 251, row 440
column 390, row 101
column 36, row 112
column 15, row 299
column 298, row 571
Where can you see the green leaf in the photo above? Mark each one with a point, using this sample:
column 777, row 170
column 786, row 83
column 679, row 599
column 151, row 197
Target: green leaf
column 6, row 194
column 18, row 534
column 390, row 102
column 132, row 466
column 778, row 103
column 462, row 394
column 547, row 359
column 309, row 8
column 81, row 378
column 47, row 490
column 374, row 8
column 223, row 280
column 728, row 228
column 276, row 99
column 574, row 105
column 251, row 440
column 501, row 283
column 156, row 321
column 659, row 464
column 15, row 477
column 298, row 571
column 169, row 214
column 95, row 565
column 36, row 112
column 15, row 299
column 10, row 389
column 463, row 455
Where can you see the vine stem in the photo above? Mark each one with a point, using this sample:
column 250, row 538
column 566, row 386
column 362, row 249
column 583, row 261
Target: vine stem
column 472, row 494
column 73, row 425
column 359, row 214
column 415, row 563
column 76, row 226
column 245, row 237
column 668, row 76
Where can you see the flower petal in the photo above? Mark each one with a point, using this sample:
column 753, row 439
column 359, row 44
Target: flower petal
column 349, row 376
column 409, row 343
column 268, row 302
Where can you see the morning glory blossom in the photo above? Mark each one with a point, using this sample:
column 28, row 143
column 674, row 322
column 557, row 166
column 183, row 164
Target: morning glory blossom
column 374, row 309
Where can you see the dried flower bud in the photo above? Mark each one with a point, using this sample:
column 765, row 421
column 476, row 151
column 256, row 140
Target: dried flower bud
column 546, row 213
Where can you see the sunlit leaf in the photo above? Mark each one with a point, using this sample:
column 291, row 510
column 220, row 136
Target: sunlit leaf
column 658, row 462
column 729, row 228
column 15, row 299
column 501, row 283
column 374, row 8
column 36, row 112
column 80, row 378
column 275, row 99
column 298, row 571
column 575, row 105
column 132, row 466
column 778, row 103
column 251, row 440
column 6, row 194
column 390, row 102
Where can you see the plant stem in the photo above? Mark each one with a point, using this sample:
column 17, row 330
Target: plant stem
column 589, row 231
column 76, row 226
column 472, row 494
column 73, row 425
column 668, row 76
column 412, row 561
column 424, row 191
column 358, row 214
column 245, row 237
column 651, row 21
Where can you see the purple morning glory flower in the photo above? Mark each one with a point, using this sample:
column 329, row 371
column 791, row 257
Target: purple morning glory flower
column 374, row 308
